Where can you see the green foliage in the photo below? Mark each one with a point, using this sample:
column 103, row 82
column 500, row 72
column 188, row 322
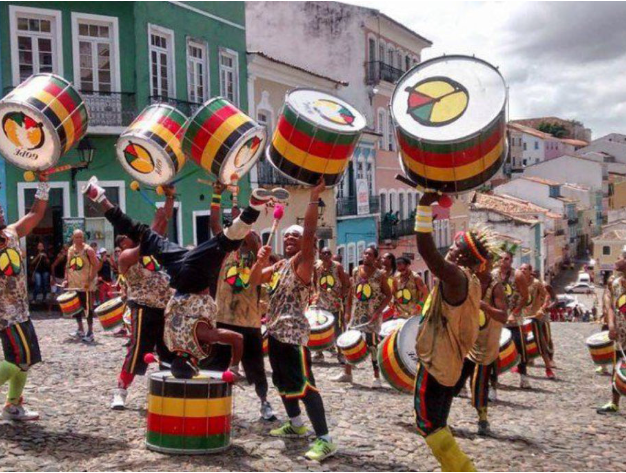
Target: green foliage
column 558, row 131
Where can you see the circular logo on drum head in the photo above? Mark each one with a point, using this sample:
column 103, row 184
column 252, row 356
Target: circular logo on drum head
column 437, row 101
column 138, row 158
column 334, row 112
column 23, row 131
column 247, row 151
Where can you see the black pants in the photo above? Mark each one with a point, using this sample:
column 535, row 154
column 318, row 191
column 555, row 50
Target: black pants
column 479, row 376
column 518, row 338
column 432, row 402
column 86, row 301
column 252, row 359
column 20, row 345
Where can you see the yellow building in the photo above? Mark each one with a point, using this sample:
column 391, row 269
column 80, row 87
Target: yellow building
column 606, row 249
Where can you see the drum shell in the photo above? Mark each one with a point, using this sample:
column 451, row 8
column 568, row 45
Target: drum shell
column 111, row 314
column 157, row 130
column 217, row 130
column 304, row 151
column 54, row 106
column 393, row 369
column 322, row 337
column 532, row 349
column 354, row 353
column 188, row 416
column 266, row 341
column 508, row 357
column 71, row 306
column 601, row 353
column 619, row 379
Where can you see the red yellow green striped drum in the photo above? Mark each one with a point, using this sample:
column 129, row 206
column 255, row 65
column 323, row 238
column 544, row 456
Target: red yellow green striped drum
column 316, row 135
column 322, row 325
column 41, row 119
column 111, row 313
column 223, row 140
column 70, row 305
column 601, row 348
column 149, row 149
column 352, row 346
column 189, row 416
column 391, row 326
column 619, row 378
column 527, row 327
column 450, row 119
column 532, row 350
column 397, row 358
column 508, row 356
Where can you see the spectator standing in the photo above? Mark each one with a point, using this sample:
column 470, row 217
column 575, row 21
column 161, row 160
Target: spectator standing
column 40, row 273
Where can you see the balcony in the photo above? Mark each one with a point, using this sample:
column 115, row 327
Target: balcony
column 347, row 206
column 268, row 176
column 188, row 108
column 110, row 108
column 378, row 71
column 572, row 221
column 395, row 230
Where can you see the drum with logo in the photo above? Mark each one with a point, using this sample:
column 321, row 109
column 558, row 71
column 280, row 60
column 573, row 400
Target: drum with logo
column 450, row 119
column 111, row 313
column 70, row 305
column 128, row 318
column 619, row 379
column 149, row 149
column 223, row 140
column 352, row 346
column 316, row 135
column 41, row 119
column 397, row 358
column 189, row 416
column 601, row 348
column 508, row 356
column 388, row 313
column 527, row 327
column 391, row 326
column 322, row 325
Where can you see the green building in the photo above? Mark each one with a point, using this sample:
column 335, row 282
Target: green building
column 122, row 56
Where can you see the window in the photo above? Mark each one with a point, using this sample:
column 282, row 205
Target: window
column 380, row 128
column 524, row 146
column 390, row 141
column 264, row 117
column 197, row 71
column 390, row 55
column 369, row 175
column 381, row 52
column 606, row 250
column 536, row 145
column 407, row 62
column 383, row 203
column 229, row 75
column 35, row 42
column 161, row 62
column 97, row 228
column 95, row 39
column 401, row 205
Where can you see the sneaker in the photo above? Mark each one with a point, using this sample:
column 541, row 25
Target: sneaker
column 89, row 338
column 609, row 408
column 602, row 370
column 267, row 413
column 483, row 428
column 119, row 399
column 78, row 334
column 320, row 450
column 550, row 374
column 376, row 384
column 280, row 195
column 523, row 382
column 288, row 430
column 18, row 412
column 319, row 356
column 342, row 378
column 493, row 395
column 93, row 191
column 260, row 198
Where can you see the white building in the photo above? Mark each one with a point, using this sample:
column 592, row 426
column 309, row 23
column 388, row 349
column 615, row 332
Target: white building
column 568, row 168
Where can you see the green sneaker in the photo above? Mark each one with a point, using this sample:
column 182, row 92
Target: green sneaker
column 320, row 450
column 287, row 430
column 609, row 408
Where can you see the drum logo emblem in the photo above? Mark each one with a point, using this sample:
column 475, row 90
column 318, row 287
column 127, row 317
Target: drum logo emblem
column 334, row 112
column 25, row 133
column 247, row 151
column 139, row 158
column 437, row 101
column 364, row 292
column 76, row 263
column 151, row 264
column 10, row 262
column 482, row 320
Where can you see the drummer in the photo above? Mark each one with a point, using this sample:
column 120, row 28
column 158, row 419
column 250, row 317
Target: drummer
column 239, row 308
column 546, row 326
column 81, row 272
column 369, row 296
column 410, row 290
column 332, row 285
column 19, row 340
column 483, row 356
column 448, row 332
column 190, row 325
column 147, row 293
column 616, row 324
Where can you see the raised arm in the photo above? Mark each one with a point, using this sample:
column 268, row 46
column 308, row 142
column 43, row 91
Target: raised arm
column 386, row 290
column 28, row 222
column 256, row 273
column 451, row 276
column 306, row 261
column 215, row 220
column 164, row 214
column 499, row 311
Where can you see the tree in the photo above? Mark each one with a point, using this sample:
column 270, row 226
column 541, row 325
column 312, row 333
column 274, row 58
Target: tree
column 554, row 129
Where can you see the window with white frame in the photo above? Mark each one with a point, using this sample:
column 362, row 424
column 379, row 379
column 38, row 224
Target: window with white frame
column 383, row 203
column 264, row 118
column 35, row 41
column 97, row 228
column 161, row 61
column 369, row 175
column 197, row 71
column 380, row 128
column 229, row 75
column 390, row 56
column 96, row 43
column 391, row 145
column 401, row 207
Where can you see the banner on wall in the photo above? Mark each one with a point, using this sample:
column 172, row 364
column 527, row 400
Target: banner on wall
column 362, row 197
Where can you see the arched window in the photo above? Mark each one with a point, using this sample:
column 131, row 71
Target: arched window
column 381, row 125
column 383, row 202
column 391, row 146
column 401, row 206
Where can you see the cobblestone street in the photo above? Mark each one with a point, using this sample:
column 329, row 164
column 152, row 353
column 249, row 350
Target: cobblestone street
column 552, row 427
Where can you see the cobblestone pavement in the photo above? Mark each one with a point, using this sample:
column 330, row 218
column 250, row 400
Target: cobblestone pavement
column 552, row 427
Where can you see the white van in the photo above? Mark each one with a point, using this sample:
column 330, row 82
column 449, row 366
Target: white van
column 583, row 277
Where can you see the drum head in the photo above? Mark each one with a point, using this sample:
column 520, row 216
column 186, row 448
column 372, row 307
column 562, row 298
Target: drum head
column 66, row 296
column 108, row 305
column 448, row 98
column 349, row 338
column 202, row 378
column 406, row 343
column 392, row 325
column 325, row 110
column 505, row 336
column 244, row 154
column 319, row 319
column 145, row 160
column 596, row 339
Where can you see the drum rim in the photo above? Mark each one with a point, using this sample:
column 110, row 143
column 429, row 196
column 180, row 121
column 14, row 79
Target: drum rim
column 68, row 295
column 132, row 172
column 346, row 333
column 322, row 126
column 202, row 107
column 166, row 375
column 238, row 143
column 330, row 322
column 439, row 59
column 113, row 304
column 268, row 157
column 410, row 366
column 597, row 335
column 164, row 105
column 156, row 448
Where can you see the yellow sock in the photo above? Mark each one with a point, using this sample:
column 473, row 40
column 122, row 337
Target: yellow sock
column 447, row 451
column 482, row 413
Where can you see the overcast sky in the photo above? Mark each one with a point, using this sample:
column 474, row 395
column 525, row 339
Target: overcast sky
column 562, row 59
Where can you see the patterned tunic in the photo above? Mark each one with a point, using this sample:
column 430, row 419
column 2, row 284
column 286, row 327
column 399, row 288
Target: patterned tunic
column 329, row 287
column 367, row 296
column 13, row 292
column 79, row 270
column 147, row 285
column 289, row 298
column 487, row 346
column 618, row 299
column 238, row 303
column 536, row 299
column 510, row 291
column 407, row 297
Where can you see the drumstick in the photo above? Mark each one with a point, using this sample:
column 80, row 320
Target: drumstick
column 135, row 187
column 279, row 211
column 30, row 176
column 234, row 178
column 161, row 191
column 444, row 200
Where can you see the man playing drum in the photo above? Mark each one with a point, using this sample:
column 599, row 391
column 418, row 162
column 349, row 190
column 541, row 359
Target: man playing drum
column 482, row 357
column 190, row 326
column 147, row 293
column 332, row 284
column 448, row 332
column 81, row 272
column 288, row 328
column 410, row 290
column 616, row 319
